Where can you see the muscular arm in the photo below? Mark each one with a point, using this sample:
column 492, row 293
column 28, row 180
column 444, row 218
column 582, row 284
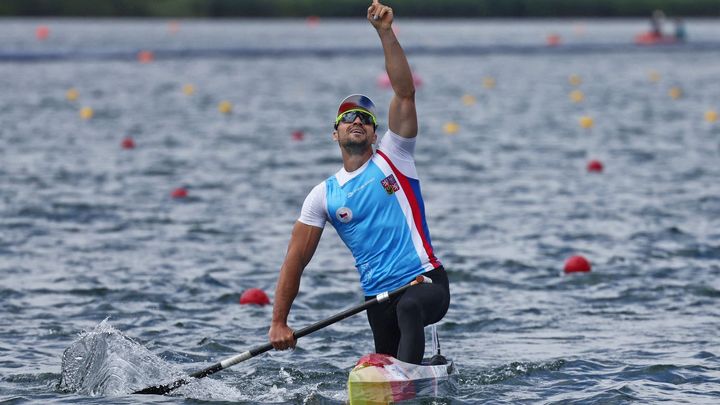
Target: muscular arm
column 402, row 117
column 303, row 242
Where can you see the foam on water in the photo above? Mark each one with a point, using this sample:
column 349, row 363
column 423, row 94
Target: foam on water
column 105, row 362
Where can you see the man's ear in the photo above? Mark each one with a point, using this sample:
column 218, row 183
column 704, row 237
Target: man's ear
column 335, row 135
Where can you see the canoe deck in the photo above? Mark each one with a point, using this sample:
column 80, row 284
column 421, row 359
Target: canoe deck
column 379, row 378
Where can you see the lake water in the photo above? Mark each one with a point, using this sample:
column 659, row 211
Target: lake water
column 88, row 230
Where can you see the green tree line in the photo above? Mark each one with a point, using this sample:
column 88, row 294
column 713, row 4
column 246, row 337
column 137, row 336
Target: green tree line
column 353, row 8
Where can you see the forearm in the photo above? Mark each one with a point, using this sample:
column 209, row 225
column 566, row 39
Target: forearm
column 396, row 64
column 303, row 242
column 287, row 288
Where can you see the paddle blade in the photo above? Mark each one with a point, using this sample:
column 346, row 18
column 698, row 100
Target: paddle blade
column 162, row 389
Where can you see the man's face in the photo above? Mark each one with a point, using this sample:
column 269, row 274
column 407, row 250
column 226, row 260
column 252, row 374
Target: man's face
column 355, row 132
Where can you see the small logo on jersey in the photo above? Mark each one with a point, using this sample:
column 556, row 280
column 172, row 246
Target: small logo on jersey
column 390, row 184
column 344, row 215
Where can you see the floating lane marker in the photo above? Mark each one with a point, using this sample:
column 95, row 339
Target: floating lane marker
column 586, row 122
column 42, row 32
column 489, row 82
column 72, row 94
column 577, row 264
column 577, row 96
column 225, row 107
column 178, row 193
column 451, row 128
column 595, row 166
column 145, row 56
column 675, row 93
column 128, row 143
column 86, row 113
column 254, row 296
column 711, row 116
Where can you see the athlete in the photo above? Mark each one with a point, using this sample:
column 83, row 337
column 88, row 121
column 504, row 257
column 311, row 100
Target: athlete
column 374, row 204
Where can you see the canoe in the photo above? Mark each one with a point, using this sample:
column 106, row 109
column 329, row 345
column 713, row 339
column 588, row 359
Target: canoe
column 379, row 378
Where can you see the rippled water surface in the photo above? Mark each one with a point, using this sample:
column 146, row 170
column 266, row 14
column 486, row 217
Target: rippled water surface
column 88, row 231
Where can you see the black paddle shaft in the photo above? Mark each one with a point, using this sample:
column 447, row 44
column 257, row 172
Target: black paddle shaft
column 229, row 362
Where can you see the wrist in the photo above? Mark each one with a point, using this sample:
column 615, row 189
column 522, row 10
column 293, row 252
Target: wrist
column 384, row 30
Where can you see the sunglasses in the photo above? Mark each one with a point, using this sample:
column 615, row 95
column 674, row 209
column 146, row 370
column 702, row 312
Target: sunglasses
column 349, row 117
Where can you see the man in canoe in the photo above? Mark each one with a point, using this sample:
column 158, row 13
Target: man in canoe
column 375, row 205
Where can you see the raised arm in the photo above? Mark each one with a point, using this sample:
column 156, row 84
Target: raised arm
column 402, row 117
column 303, row 242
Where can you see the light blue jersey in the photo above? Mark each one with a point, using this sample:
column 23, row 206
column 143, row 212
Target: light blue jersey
column 379, row 213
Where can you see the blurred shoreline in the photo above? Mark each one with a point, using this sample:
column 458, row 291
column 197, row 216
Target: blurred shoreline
column 347, row 8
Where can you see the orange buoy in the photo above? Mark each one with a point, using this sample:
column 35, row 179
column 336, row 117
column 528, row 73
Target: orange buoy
column 145, row 56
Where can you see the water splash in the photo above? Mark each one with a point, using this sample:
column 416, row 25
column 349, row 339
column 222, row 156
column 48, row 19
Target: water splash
column 103, row 361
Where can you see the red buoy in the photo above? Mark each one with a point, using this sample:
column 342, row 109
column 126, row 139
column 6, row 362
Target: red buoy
column 577, row 264
column 553, row 40
column 383, row 80
column 145, row 56
column 128, row 143
column 254, row 296
column 179, row 192
column 42, row 32
column 595, row 166
column 312, row 21
column 298, row 135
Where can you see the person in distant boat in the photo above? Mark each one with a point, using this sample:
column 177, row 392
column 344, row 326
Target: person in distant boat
column 375, row 205
column 656, row 20
column 680, row 33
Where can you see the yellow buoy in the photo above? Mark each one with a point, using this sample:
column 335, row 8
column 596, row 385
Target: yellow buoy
column 451, row 128
column 488, row 82
column 654, row 76
column 188, row 89
column 586, row 122
column 225, row 107
column 711, row 116
column 577, row 96
column 575, row 80
column 72, row 94
column 468, row 99
column 86, row 113
column 675, row 93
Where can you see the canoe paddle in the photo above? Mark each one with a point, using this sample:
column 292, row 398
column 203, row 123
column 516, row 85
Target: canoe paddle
column 231, row 361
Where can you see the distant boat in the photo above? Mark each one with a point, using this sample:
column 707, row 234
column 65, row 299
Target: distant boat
column 649, row 38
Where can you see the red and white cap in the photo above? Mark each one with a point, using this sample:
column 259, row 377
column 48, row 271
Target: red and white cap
column 357, row 102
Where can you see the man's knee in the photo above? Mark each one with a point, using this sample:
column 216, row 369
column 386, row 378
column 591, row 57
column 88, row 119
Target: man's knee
column 409, row 307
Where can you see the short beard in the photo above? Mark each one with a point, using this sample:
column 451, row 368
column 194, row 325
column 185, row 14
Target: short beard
column 356, row 148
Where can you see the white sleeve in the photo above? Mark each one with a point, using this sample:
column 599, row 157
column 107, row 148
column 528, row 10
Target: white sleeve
column 401, row 152
column 314, row 209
